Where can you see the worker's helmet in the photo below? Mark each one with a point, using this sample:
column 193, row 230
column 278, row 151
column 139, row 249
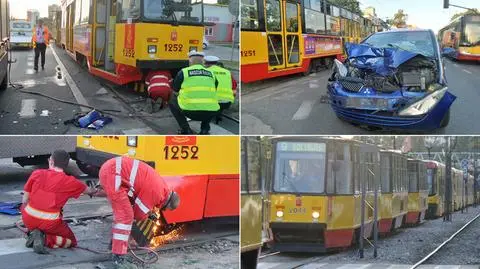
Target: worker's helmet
column 172, row 202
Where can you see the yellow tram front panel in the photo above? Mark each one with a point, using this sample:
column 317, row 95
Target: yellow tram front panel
column 171, row 43
column 393, row 206
column 417, row 204
column 174, row 155
column 435, row 206
column 251, row 222
column 253, row 47
column 298, row 209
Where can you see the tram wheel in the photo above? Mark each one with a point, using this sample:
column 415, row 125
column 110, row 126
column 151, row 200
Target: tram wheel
column 309, row 69
column 88, row 169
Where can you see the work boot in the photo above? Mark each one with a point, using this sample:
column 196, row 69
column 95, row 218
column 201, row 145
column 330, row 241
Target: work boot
column 39, row 242
column 29, row 243
column 149, row 105
column 121, row 262
column 157, row 105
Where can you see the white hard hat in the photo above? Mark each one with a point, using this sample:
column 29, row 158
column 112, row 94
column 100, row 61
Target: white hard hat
column 196, row 53
column 211, row 59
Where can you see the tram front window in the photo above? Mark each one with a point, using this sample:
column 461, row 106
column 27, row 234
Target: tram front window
column 472, row 33
column 300, row 173
column 186, row 11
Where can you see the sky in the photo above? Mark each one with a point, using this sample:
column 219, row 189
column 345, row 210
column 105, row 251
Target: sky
column 18, row 8
column 428, row 14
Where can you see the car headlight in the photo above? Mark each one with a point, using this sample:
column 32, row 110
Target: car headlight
column 279, row 214
column 315, row 215
column 152, row 49
column 131, row 141
column 424, row 105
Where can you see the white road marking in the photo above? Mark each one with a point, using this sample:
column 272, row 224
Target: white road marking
column 354, row 266
column 455, row 64
column 313, row 85
column 304, row 110
column 28, row 108
column 29, row 64
column 12, row 246
column 465, row 70
column 73, row 86
column 267, row 265
column 138, row 131
column 313, row 266
column 29, row 71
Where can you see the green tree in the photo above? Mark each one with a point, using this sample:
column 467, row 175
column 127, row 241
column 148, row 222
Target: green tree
column 352, row 5
column 400, row 19
column 456, row 15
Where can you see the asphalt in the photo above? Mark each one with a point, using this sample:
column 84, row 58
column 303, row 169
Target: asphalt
column 294, row 105
column 24, row 113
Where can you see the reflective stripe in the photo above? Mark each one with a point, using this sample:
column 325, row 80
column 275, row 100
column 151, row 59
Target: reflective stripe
column 41, row 214
column 206, row 89
column 159, row 76
column 58, row 240
column 118, row 170
column 142, row 206
column 133, row 173
column 158, row 84
column 68, row 243
column 130, row 193
column 121, row 237
column 200, row 101
column 122, row 226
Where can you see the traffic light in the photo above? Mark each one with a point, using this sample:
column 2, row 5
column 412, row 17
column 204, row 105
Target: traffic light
column 445, row 3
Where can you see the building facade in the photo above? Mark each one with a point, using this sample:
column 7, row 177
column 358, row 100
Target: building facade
column 222, row 22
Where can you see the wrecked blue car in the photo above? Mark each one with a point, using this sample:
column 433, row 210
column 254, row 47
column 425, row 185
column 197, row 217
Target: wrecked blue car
column 392, row 80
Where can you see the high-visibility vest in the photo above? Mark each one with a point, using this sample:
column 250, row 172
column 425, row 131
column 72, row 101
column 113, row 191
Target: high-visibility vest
column 46, row 36
column 198, row 92
column 224, row 88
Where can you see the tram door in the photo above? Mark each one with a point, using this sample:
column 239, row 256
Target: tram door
column 103, row 33
column 283, row 27
column 69, row 27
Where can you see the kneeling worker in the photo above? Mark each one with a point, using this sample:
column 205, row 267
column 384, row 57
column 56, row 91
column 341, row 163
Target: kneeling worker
column 45, row 194
column 134, row 189
column 196, row 89
column 226, row 83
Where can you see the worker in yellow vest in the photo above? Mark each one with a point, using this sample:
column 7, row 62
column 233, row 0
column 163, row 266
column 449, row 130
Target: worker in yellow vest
column 194, row 95
column 227, row 85
column 40, row 42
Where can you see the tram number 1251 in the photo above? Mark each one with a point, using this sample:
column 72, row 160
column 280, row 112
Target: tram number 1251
column 181, row 152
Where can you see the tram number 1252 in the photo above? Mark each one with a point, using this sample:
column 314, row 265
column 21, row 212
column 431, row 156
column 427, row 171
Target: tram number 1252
column 181, row 152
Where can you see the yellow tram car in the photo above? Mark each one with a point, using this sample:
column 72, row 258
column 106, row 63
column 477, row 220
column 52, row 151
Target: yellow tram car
column 436, row 187
column 252, row 203
column 132, row 40
column 394, row 198
column 417, row 192
column 315, row 192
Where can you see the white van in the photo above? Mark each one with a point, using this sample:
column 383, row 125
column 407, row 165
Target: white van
column 21, row 34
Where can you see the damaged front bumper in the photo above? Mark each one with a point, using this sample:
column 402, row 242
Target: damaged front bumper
column 397, row 110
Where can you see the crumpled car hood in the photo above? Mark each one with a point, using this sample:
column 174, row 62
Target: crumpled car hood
column 382, row 61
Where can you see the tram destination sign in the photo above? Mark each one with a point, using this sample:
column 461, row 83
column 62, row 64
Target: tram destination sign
column 301, row 146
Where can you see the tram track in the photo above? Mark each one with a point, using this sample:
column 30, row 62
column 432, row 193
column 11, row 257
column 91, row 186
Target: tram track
column 439, row 248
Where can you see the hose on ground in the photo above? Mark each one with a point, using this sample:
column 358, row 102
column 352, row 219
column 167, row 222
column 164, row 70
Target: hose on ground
column 155, row 258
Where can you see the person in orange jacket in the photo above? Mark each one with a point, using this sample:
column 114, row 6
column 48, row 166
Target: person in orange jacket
column 134, row 190
column 45, row 194
column 40, row 42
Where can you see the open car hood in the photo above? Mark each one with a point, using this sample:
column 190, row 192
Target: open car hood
column 382, row 61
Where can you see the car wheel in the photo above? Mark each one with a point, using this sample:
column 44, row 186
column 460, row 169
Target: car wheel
column 445, row 120
column 204, row 46
column 4, row 84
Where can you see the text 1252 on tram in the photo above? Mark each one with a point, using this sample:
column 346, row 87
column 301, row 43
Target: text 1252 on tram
column 131, row 41
column 282, row 37
column 202, row 170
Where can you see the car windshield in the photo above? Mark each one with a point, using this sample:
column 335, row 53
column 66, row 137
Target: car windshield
column 420, row 42
column 186, row 11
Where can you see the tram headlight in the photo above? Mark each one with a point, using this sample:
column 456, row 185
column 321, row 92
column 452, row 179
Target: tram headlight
column 280, row 214
column 315, row 215
column 192, row 48
column 152, row 49
column 131, row 141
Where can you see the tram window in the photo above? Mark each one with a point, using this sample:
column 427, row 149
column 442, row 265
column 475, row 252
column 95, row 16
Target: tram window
column 300, row 172
column 330, row 172
column 385, row 173
column 249, row 14
column 130, row 9
column 314, row 22
column 293, row 50
column 243, row 174
column 273, row 16
column 343, row 183
column 85, row 11
column 101, row 11
column 291, row 17
column 316, row 5
column 275, row 49
column 412, row 177
column 335, row 11
column 78, row 12
column 254, row 166
column 431, row 181
column 328, row 10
